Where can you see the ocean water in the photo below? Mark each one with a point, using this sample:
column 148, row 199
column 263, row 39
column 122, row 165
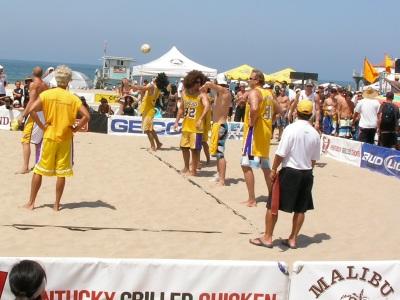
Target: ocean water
column 19, row 69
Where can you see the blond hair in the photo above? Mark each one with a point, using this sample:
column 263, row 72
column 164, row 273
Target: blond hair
column 63, row 75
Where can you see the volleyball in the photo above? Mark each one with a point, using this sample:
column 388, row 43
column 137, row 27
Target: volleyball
column 14, row 126
column 146, row 48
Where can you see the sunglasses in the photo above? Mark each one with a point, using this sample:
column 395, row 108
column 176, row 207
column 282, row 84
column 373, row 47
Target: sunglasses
column 252, row 78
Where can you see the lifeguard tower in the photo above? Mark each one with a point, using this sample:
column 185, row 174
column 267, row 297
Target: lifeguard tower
column 114, row 68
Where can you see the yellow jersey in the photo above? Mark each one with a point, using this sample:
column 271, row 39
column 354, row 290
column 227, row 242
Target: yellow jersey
column 59, row 108
column 258, row 143
column 193, row 109
column 149, row 103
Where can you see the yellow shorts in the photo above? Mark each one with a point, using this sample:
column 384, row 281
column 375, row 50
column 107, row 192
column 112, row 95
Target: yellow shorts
column 191, row 140
column 55, row 158
column 32, row 133
column 147, row 123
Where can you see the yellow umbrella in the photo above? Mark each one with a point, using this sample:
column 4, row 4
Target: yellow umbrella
column 283, row 75
column 240, row 73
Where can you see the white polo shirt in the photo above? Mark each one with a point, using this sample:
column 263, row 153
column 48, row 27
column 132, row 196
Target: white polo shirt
column 300, row 143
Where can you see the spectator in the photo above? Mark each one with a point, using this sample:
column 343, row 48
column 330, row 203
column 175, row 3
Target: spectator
column 89, row 109
column 366, row 111
column 172, row 102
column 388, row 122
column 124, row 88
column 28, row 81
column 127, row 106
column 6, row 103
column 18, row 92
column 3, row 84
column 28, row 280
column 104, row 107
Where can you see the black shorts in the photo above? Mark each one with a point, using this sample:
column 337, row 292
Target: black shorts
column 230, row 112
column 388, row 139
column 367, row 135
column 295, row 190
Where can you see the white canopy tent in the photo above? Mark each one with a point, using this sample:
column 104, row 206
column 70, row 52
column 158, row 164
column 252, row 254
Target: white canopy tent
column 173, row 64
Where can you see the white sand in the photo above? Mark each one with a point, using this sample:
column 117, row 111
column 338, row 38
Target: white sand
column 126, row 202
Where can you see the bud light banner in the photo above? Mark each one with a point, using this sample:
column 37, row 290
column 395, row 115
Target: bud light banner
column 382, row 160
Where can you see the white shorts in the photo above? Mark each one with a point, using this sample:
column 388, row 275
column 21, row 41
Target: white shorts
column 255, row 162
column 37, row 133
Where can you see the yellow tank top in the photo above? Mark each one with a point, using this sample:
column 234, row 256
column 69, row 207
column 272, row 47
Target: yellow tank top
column 149, row 103
column 193, row 109
column 263, row 126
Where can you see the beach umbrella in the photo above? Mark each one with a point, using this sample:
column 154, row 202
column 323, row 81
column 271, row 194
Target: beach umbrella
column 282, row 75
column 79, row 81
column 396, row 100
column 241, row 73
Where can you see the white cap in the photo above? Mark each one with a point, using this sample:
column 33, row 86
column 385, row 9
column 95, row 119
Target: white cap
column 266, row 86
column 15, row 102
column 1, row 67
column 221, row 79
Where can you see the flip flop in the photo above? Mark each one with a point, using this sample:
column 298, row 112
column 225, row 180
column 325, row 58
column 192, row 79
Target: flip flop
column 261, row 243
column 286, row 243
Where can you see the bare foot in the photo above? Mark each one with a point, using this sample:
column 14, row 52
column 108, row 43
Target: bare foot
column 199, row 166
column 208, row 162
column 159, row 145
column 153, row 149
column 249, row 203
column 22, row 172
column 56, row 207
column 218, row 184
column 184, row 170
column 191, row 173
column 28, row 206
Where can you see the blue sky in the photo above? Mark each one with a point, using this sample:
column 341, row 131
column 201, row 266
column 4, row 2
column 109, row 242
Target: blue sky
column 325, row 37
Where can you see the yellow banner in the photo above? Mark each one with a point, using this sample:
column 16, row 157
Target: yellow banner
column 110, row 98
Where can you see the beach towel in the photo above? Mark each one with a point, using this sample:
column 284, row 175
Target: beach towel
column 276, row 195
column 214, row 138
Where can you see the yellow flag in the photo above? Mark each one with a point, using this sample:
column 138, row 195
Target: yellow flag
column 388, row 63
column 370, row 73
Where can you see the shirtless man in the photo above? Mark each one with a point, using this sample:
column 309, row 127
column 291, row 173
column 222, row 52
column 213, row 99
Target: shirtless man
column 345, row 110
column 32, row 133
column 284, row 102
column 240, row 101
column 330, row 113
column 220, row 129
column 314, row 97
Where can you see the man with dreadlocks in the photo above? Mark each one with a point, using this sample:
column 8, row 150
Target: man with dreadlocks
column 147, row 109
column 193, row 109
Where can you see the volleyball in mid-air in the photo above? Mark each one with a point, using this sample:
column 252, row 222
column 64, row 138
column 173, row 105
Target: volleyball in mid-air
column 145, row 48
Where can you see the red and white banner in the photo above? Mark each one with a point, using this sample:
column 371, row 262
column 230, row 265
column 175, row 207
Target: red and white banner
column 6, row 116
column 341, row 149
column 156, row 279
column 345, row 280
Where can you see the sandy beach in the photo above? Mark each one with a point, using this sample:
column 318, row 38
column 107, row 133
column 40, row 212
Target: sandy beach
column 126, row 202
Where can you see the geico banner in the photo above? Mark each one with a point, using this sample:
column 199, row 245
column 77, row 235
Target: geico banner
column 359, row 280
column 127, row 125
column 155, row 279
column 341, row 149
column 380, row 159
column 6, row 116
